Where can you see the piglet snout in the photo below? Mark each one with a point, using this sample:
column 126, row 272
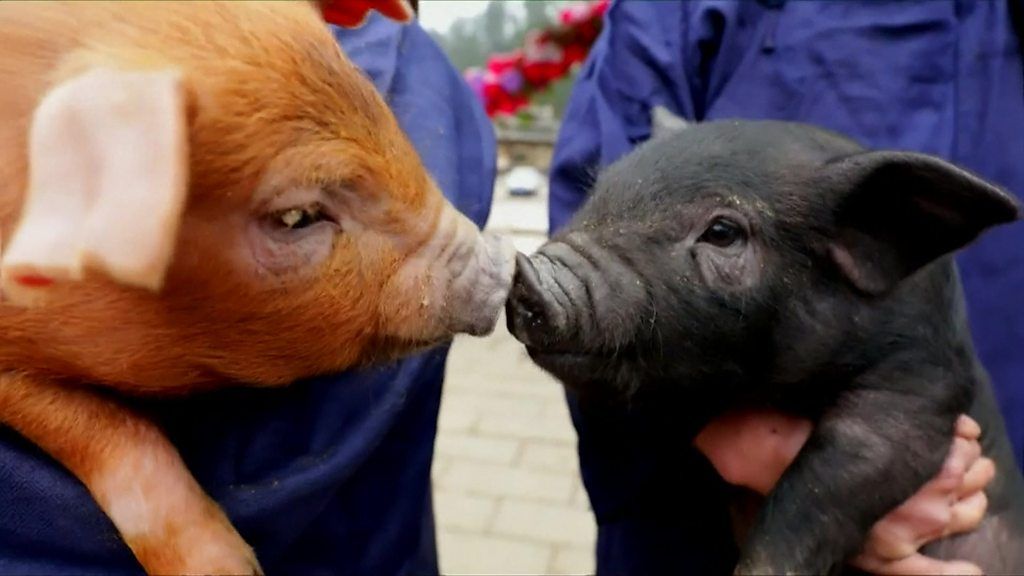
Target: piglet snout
column 482, row 287
column 535, row 315
column 529, row 312
column 575, row 296
column 455, row 283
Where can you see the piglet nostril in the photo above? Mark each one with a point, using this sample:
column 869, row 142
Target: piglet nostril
column 527, row 310
column 526, row 279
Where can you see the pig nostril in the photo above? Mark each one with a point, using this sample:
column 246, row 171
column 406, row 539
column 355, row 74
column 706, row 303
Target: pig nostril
column 527, row 320
column 530, row 310
column 529, row 316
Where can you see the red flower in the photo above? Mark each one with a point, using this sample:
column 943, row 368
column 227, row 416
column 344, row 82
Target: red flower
column 574, row 53
column 587, row 31
column 352, row 13
column 574, row 14
column 547, row 56
column 540, row 74
column 499, row 63
column 541, row 48
column 579, row 13
column 500, row 102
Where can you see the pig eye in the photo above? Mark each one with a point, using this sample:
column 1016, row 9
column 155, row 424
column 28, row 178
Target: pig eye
column 723, row 233
column 299, row 218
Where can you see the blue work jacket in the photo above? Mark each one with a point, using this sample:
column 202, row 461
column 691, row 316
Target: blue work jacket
column 329, row 476
column 942, row 77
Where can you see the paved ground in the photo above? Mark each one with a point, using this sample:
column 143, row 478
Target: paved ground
column 507, row 492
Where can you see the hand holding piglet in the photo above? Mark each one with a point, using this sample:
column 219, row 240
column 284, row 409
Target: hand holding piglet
column 753, row 448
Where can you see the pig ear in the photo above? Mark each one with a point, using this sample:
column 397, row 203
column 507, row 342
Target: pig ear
column 108, row 167
column 663, row 122
column 353, row 13
column 898, row 211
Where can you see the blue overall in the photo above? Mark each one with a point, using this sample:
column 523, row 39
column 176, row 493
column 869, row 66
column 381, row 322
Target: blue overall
column 329, row 476
column 942, row 77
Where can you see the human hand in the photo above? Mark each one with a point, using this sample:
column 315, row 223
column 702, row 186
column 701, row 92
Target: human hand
column 753, row 448
column 953, row 502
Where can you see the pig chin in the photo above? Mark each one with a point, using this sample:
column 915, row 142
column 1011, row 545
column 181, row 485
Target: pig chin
column 456, row 282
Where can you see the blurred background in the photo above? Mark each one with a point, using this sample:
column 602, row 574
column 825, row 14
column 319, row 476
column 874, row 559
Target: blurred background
column 471, row 31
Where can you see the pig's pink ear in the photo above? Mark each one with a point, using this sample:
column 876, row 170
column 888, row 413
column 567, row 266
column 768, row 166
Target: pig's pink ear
column 353, row 13
column 108, row 168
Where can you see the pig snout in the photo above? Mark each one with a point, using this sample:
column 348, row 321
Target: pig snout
column 563, row 299
column 481, row 286
column 534, row 313
column 455, row 283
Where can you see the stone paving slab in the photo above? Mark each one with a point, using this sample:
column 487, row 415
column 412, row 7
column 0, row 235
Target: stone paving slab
column 469, row 553
column 478, row 448
column 507, row 492
column 545, row 523
column 463, row 512
column 506, row 482
column 572, row 560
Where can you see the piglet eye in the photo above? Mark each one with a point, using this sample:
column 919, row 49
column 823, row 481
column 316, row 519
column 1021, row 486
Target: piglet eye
column 723, row 233
column 299, row 218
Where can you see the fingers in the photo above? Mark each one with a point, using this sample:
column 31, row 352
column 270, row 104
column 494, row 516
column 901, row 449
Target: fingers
column 977, row 477
column 962, row 455
column 902, row 532
column 753, row 449
column 967, row 428
column 914, row 565
column 966, row 514
column 952, row 502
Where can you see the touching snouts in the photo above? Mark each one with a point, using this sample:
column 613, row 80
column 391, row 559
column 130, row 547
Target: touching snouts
column 476, row 269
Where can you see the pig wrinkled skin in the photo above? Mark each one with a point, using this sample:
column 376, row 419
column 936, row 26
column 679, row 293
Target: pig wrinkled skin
column 279, row 225
column 778, row 265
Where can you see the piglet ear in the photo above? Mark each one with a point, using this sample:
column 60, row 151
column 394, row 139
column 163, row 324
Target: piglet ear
column 108, row 168
column 664, row 121
column 897, row 211
column 353, row 13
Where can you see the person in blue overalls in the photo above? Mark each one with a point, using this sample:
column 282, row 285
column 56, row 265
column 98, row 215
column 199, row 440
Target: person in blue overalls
column 941, row 77
column 330, row 476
